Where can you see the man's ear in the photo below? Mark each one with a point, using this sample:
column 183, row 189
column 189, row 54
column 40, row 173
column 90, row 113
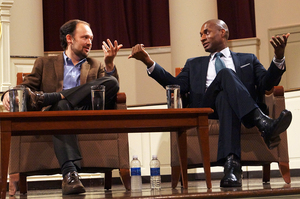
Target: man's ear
column 69, row 38
column 223, row 32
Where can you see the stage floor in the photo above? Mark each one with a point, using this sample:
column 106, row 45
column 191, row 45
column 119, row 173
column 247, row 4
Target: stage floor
column 252, row 188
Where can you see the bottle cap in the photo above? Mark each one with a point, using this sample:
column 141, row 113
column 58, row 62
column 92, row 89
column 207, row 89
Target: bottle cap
column 134, row 157
column 154, row 157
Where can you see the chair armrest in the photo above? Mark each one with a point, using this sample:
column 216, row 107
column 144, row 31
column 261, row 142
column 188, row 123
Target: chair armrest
column 278, row 91
column 121, row 98
column 121, row 101
column 275, row 101
column 20, row 77
column 177, row 71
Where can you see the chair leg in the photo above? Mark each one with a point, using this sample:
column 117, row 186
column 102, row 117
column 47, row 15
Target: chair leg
column 284, row 169
column 13, row 183
column 266, row 173
column 125, row 177
column 107, row 180
column 14, row 180
column 175, row 175
column 23, row 183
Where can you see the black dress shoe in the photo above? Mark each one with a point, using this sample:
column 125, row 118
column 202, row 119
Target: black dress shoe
column 71, row 184
column 271, row 129
column 232, row 172
column 34, row 100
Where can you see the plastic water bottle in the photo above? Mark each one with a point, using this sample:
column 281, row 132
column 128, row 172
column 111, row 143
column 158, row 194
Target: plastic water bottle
column 136, row 178
column 155, row 179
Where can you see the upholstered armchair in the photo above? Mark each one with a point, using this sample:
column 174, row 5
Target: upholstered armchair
column 34, row 155
column 254, row 150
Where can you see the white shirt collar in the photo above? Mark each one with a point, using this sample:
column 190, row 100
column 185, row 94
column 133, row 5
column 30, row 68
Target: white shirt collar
column 225, row 52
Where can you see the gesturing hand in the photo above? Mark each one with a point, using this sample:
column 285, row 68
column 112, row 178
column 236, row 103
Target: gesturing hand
column 279, row 45
column 110, row 52
column 138, row 52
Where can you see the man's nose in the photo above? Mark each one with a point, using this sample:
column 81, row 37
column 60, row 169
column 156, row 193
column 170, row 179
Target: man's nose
column 202, row 38
column 89, row 41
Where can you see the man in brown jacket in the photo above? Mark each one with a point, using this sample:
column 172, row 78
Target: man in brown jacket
column 65, row 81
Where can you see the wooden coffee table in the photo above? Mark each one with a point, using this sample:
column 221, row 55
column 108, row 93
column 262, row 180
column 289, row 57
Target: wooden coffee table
column 108, row 121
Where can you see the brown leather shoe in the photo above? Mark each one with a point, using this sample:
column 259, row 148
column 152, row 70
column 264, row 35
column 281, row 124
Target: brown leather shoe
column 34, row 100
column 71, row 184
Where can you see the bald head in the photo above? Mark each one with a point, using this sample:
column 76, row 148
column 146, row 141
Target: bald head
column 214, row 35
column 220, row 24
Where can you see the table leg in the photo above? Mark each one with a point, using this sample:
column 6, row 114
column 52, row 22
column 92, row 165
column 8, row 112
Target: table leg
column 182, row 152
column 5, row 147
column 204, row 146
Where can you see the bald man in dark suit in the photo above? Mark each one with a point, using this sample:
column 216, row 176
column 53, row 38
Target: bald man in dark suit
column 233, row 84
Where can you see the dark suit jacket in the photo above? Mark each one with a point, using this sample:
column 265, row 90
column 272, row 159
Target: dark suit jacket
column 48, row 73
column 192, row 78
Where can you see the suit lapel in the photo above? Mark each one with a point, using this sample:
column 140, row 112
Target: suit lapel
column 236, row 63
column 85, row 68
column 203, row 73
column 59, row 70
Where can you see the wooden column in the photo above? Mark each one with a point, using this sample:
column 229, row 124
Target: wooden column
column 5, row 7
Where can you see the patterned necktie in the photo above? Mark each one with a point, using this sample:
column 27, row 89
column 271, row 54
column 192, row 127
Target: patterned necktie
column 219, row 64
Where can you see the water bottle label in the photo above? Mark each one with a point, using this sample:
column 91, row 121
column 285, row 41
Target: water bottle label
column 155, row 171
column 135, row 171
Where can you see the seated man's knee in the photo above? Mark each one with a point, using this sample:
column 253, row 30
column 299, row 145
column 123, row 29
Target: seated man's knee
column 62, row 105
column 227, row 71
column 112, row 84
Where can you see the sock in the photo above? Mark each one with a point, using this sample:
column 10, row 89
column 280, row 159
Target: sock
column 51, row 98
column 68, row 167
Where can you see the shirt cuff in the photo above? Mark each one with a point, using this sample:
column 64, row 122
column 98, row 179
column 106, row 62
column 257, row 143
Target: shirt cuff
column 151, row 69
column 111, row 72
column 280, row 63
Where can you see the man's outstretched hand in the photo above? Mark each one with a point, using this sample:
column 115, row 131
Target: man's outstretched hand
column 279, row 45
column 138, row 52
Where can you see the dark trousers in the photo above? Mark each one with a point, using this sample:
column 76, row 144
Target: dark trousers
column 231, row 101
column 79, row 98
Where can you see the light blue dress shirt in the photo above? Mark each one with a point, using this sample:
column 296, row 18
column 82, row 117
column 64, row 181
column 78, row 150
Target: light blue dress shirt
column 71, row 73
